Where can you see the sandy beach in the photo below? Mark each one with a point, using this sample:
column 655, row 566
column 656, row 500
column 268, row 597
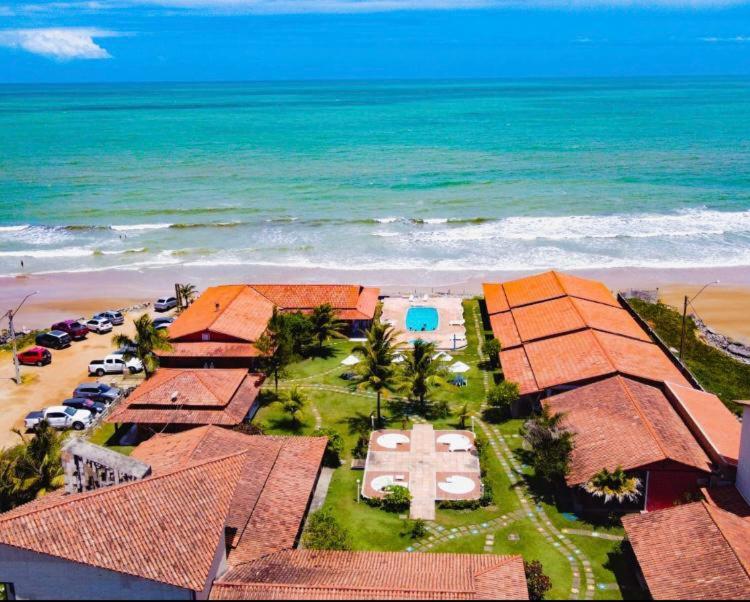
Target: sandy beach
column 60, row 296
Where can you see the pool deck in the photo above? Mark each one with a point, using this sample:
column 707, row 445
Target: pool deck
column 422, row 466
column 449, row 310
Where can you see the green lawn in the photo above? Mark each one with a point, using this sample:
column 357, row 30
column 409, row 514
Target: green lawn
column 375, row 529
column 716, row 371
column 104, row 435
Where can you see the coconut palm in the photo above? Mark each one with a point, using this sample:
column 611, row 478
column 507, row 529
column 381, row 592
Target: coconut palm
column 420, row 372
column 41, row 462
column 144, row 343
column 551, row 443
column 463, row 416
column 294, row 402
column 615, row 485
column 187, row 293
column 325, row 324
column 376, row 371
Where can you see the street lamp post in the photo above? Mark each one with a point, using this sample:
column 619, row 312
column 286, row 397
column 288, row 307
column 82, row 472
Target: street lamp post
column 10, row 314
column 688, row 301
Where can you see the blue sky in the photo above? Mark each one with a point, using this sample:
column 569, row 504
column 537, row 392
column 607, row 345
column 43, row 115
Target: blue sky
column 185, row 40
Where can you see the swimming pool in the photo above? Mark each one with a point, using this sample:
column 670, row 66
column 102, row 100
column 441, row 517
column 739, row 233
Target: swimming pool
column 422, row 319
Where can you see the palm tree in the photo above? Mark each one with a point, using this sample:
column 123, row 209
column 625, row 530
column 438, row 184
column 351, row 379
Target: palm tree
column 463, row 416
column 376, row 371
column 294, row 403
column 420, row 372
column 551, row 442
column 187, row 293
column 40, row 465
column 144, row 343
column 615, row 485
column 325, row 324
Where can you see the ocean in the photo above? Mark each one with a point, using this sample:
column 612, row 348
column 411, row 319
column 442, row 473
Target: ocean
column 445, row 175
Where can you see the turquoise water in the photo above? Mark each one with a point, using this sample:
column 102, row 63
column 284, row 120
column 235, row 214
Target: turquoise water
column 422, row 319
column 431, row 175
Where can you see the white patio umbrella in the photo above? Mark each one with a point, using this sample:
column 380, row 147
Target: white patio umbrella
column 443, row 356
column 350, row 360
column 398, row 359
column 459, row 368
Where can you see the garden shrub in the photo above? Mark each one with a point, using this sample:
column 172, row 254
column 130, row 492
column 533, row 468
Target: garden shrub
column 323, row 532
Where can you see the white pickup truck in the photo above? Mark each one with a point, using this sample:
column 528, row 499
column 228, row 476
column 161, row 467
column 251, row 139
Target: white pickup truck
column 115, row 364
column 59, row 417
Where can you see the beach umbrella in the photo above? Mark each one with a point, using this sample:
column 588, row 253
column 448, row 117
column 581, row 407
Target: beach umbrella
column 459, row 367
column 350, row 360
column 398, row 359
column 443, row 356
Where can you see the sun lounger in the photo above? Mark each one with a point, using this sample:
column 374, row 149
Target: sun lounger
column 457, row 322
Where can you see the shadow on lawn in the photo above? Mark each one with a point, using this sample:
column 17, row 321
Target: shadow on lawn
column 624, row 565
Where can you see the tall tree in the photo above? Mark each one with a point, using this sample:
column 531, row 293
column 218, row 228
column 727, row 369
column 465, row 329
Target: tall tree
column 275, row 346
column 551, row 443
column 615, row 485
column 376, row 370
column 326, row 325
column 420, row 372
column 187, row 293
column 40, row 465
column 144, row 343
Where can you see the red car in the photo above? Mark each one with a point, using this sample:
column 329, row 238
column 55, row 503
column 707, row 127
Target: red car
column 75, row 329
column 36, row 356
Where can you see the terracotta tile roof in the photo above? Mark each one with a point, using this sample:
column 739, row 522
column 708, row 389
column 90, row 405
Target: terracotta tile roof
column 242, row 311
column 695, row 551
column 550, row 318
column 516, row 368
column 551, row 285
column 567, row 359
column 729, row 499
column 274, row 490
column 211, row 349
column 190, row 396
column 165, row 528
column 494, row 297
column 352, row 302
column 327, row 575
column 710, row 420
column 609, row 319
column 622, row 422
column 504, row 329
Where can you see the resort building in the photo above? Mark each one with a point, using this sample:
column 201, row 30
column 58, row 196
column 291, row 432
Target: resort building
column 621, row 422
column 181, row 398
column 214, row 500
column 221, row 328
column 699, row 551
column 558, row 331
column 326, row 575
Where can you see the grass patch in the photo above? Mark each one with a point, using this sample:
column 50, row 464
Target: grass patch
column 106, row 436
column 715, row 370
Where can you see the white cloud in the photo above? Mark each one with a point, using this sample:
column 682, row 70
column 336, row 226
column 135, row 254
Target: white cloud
column 732, row 40
column 61, row 43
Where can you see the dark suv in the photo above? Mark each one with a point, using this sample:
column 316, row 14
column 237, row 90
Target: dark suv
column 75, row 329
column 83, row 403
column 54, row 339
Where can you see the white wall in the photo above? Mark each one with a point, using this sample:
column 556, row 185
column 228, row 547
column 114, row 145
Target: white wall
column 743, row 466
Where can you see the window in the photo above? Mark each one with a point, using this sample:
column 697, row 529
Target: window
column 7, row 591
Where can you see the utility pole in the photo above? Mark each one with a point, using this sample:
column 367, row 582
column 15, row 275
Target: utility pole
column 10, row 314
column 687, row 302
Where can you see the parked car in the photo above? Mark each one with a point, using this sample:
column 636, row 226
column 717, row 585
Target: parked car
column 36, row 356
column 74, row 328
column 59, row 417
column 115, row 363
column 81, row 403
column 163, row 322
column 115, row 317
column 165, row 303
column 98, row 392
column 99, row 325
column 54, row 339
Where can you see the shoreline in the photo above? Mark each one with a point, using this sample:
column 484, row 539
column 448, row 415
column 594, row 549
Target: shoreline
column 75, row 294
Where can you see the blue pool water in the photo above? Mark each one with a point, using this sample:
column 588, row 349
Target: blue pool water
column 422, row 319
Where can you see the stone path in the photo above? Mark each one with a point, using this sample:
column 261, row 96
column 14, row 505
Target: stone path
column 583, row 583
